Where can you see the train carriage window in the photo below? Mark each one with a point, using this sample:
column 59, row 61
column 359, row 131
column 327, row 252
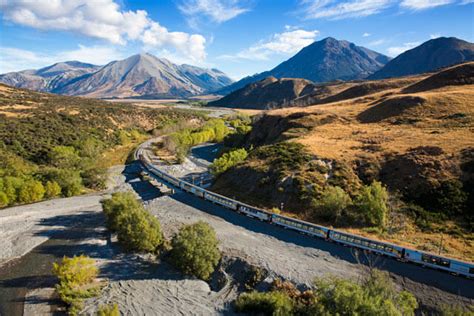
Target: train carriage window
column 471, row 270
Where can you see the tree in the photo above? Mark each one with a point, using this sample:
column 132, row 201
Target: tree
column 108, row 310
column 70, row 181
column 52, row 189
column 139, row 231
column 119, row 203
column 332, row 202
column 372, row 204
column 228, row 160
column 11, row 186
column 31, row 191
column 195, row 250
column 64, row 157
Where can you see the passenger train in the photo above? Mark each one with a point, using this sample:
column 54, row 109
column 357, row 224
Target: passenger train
column 404, row 254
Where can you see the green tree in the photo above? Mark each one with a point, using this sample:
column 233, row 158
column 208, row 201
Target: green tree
column 31, row 191
column 228, row 160
column 332, row 202
column 70, row 181
column 108, row 310
column 64, row 157
column 76, row 278
column 116, row 206
column 269, row 303
column 52, row 189
column 372, row 204
column 139, row 231
column 195, row 250
column 11, row 186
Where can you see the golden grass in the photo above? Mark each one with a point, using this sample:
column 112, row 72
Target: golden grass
column 118, row 155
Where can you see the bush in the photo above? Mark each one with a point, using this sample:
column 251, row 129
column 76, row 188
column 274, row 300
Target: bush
column 137, row 230
column 376, row 296
column 194, row 250
column 52, row 189
column 70, row 181
column 76, row 278
column 333, row 201
column 228, row 160
column 372, row 204
column 31, row 191
column 270, row 303
column 108, row 310
column 3, row 199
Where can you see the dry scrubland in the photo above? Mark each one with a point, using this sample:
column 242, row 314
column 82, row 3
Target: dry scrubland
column 411, row 133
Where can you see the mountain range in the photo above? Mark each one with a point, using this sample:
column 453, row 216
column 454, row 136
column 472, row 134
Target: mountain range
column 322, row 61
column 141, row 75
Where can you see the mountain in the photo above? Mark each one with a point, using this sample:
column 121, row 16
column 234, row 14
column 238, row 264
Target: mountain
column 49, row 78
column 267, row 94
column 429, row 56
column 141, row 75
column 322, row 61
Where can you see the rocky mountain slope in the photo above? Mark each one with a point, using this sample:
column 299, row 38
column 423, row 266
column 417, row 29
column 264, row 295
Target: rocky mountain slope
column 142, row 75
column 414, row 134
column 429, row 56
column 322, row 61
column 50, row 78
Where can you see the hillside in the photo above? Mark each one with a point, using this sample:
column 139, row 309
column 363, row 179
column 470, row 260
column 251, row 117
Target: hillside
column 142, row 75
column 54, row 145
column 418, row 142
column 322, row 61
column 429, row 56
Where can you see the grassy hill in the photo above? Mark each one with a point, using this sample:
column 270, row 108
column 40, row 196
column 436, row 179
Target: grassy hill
column 415, row 135
column 54, row 145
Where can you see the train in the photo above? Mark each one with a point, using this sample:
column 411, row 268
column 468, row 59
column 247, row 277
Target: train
column 401, row 253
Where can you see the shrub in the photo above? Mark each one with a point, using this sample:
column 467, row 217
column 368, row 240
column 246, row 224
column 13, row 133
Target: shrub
column 52, row 189
column 137, row 230
column 194, row 250
column 270, row 303
column 372, row 204
column 3, row 199
column 450, row 197
column 108, row 310
column 70, row 181
column 31, row 191
column 64, row 157
column 332, row 202
column 76, row 278
column 228, row 160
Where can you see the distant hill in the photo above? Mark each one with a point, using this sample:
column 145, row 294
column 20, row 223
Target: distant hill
column 267, row 93
column 272, row 93
column 142, row 75
column 322, row 61
column 429, row 56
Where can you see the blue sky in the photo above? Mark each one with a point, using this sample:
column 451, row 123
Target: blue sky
column 239, row 37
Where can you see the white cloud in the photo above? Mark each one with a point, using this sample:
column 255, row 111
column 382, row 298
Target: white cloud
column 423, row 4
column 377, row 42
column 14, row 59
column 330, row 9
column 435, row 35
column 102, row 19
column 218, row 10
column 397, row 50
column 366, row 34
column 285, row 43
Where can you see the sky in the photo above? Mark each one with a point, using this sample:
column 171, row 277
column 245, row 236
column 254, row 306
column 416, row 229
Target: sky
column 238, row 37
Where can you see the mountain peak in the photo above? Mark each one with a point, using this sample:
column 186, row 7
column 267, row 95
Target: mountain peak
column 429, row 56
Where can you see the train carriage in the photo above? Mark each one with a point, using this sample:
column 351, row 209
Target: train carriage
column 368, row 244
column 219, row 199
column 438, row 262
column 186, row 186
column 254, row 212
column 305, row 227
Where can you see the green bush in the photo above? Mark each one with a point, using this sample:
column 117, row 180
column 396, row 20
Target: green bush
column 76, row 281
column 70, row 181
column 108, row 310
column 31, row 191
column 139, row 231
column 332, row 203
column 52, row 189
column 136, row 229
column 194, row 250
column 3, row 199
column 64, row 157
column 372, row 204
column 228, row 160
column 270, row 303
